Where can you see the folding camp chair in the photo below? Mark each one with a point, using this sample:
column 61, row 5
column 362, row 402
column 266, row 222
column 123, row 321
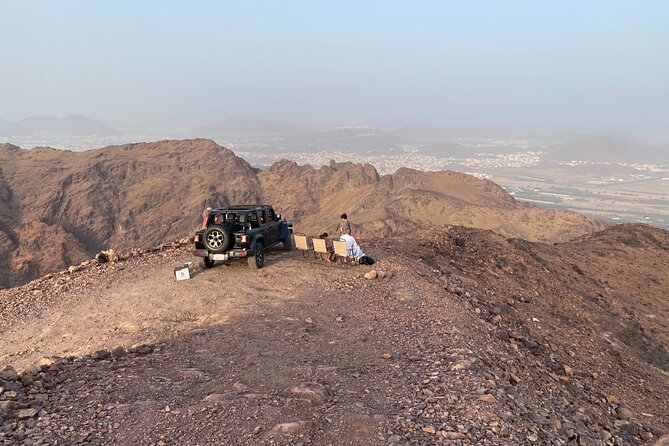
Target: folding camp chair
column 320, row 247
column 344, row 254
column 301, row 243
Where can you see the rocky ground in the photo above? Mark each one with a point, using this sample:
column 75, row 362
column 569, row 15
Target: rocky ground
column 462, row 337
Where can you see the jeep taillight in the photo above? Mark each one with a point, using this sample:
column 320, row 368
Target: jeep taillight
column 196, row 238
column 244, row 238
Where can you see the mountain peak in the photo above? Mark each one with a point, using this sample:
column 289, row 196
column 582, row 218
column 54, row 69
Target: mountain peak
column 70, row 125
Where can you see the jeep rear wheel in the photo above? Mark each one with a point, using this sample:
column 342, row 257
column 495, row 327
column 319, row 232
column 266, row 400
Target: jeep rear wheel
column 258, row 259
column 217, row 238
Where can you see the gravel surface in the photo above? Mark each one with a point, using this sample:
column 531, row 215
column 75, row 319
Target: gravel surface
column 462, row 338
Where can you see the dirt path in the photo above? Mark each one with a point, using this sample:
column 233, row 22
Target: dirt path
column 139, row 302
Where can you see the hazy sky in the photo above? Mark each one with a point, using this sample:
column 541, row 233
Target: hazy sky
column 601, row 65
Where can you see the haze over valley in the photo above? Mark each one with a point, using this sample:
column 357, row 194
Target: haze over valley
column 612, row 177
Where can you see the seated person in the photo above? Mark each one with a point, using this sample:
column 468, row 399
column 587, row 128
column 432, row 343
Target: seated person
column 330, row 255
column 352, row 246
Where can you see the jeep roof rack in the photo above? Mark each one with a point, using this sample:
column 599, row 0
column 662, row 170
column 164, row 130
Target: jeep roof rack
column 241, row 207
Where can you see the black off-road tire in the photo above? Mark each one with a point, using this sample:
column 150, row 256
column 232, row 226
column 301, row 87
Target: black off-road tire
column 207, row 262
column 288, row 243
column 217, row 238
column 257, row 260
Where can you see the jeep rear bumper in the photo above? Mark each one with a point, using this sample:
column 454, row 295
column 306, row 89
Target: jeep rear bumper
column 234, row 253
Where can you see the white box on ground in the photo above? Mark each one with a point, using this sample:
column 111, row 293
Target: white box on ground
column 183, row 272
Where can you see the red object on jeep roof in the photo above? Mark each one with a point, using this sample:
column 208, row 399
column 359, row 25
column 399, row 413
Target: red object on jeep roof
column 205, row 217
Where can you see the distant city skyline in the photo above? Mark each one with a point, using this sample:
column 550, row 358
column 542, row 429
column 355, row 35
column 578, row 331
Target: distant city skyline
column 591, row 67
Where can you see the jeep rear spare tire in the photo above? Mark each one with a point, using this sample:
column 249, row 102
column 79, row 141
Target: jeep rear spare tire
column 257, row 260
column 217, row 238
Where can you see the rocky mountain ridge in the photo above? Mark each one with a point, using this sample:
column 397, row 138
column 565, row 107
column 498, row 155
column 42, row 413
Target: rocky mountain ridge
column 58, row 208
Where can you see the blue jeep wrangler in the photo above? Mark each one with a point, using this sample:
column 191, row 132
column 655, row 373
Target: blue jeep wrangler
column 241, row 231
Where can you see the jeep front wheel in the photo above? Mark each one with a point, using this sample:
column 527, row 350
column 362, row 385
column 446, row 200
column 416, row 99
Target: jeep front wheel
column 258, row 259
column 288, row 243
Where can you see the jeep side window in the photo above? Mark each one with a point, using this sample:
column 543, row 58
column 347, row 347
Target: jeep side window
column 272, row 215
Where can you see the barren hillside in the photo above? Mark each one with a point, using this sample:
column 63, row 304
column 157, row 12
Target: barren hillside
column 58, row 208
column 409, row 199
column 61, row 207
column 468, row 338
